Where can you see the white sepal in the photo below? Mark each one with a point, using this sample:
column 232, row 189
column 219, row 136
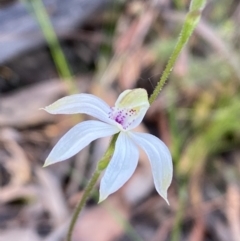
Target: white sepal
column 121, row 166
column 77, row 138
column 160, row 159
column 81, row 103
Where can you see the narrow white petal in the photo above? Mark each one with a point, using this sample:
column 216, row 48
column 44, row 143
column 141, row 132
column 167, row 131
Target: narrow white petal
column 77, row 138
column 160, row 159
column 121, row 166
column 81, row 103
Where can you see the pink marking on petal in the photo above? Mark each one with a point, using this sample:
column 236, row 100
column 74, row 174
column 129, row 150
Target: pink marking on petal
column 124, row 117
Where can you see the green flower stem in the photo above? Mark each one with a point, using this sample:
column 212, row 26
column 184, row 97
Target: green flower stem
column 189, row 25
column 82, row 202
column 103, row 163
column 87, row 192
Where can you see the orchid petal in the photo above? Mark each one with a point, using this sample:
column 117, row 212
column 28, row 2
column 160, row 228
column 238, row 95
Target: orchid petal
column 132, row 98
column 81, row 103
column 130, row 108
column 160, row 159
column 121, row 166
column 77, row 138
column 139, row 117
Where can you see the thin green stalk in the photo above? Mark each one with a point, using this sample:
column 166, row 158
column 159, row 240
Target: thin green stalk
column 189, row 25
column 87, row 192
column 48, row 31
column 103, row 163
column 82, row 202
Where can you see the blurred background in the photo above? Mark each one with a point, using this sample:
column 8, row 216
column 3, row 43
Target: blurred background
column 55, row 48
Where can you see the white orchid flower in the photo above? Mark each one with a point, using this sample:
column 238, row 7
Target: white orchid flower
column 128, row 112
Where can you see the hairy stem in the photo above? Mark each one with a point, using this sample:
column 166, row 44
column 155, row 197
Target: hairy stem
column 189, row 25
column 82, row 202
